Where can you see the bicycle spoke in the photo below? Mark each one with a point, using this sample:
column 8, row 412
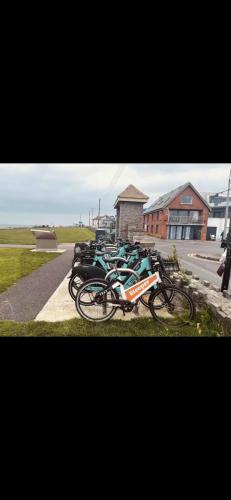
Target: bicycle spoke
column 175, row 311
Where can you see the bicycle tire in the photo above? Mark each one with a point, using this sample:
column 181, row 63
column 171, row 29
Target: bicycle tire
column 73, row 286
column 144, row 301
column 164, row 313
column 80, row 305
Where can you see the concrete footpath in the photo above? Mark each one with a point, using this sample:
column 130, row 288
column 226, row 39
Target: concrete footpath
column 24, row 300
column 61, row 307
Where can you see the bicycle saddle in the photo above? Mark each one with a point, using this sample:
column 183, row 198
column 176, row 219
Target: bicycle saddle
column 101, row 252
column 88, row 272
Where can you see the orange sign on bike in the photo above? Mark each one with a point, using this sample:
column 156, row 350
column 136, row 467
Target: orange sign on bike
column 135, row 291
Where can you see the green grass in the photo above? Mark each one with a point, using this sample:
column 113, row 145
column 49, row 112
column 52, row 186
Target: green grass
column 64, row 235
column 16, row 263
column 204, row 326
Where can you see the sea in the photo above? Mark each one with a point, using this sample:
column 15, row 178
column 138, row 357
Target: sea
column 13, row 226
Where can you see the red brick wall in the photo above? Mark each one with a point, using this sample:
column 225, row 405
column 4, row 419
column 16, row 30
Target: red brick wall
column 197, row 204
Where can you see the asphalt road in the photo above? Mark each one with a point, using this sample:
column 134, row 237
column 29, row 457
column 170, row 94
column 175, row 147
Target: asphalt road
column 205, row 269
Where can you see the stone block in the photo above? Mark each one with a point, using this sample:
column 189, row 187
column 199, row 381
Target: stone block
column 189, row 273
column 195, row 296
column 196, row 277
column 221, row 315
column 193, row 287
column 214, row 307
column 215, row 288
column 206, row 283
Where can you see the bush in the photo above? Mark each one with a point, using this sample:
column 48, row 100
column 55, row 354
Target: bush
column 173, row 257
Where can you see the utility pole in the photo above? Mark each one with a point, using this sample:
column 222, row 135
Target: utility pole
column 99, row 212
column 227, row 207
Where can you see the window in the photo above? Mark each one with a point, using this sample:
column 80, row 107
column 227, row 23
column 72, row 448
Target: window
column 157, row 228
column 157, row 216
column 152, row 217
column 151, row 228
column 147, row 228
column 187, row 200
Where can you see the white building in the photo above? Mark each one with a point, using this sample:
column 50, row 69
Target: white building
column 105, row 221
column 216, row 220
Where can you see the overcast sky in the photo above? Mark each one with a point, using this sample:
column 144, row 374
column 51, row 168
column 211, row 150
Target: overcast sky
column 59, row 193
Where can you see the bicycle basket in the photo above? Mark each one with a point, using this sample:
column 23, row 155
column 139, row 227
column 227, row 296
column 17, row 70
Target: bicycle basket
column 171, row 266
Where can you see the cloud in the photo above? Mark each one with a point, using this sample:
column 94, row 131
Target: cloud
column 63, row 192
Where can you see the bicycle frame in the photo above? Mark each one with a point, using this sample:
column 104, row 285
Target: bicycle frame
column 121, row 253
column 140, row 268
column 134, row 292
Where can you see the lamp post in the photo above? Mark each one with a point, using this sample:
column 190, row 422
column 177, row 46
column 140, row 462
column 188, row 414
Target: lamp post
column 227, row 207
column 226, row 274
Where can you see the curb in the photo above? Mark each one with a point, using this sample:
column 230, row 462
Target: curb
column 204, row 257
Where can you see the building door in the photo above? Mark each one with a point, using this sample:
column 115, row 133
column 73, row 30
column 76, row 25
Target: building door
column 185, row 232
column 172, row 232
column 179, row 233
column 195, row 233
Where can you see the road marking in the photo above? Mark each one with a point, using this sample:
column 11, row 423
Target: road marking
column 201, row 258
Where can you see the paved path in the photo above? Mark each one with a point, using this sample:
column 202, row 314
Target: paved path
column 66, row 246
column 24, row 300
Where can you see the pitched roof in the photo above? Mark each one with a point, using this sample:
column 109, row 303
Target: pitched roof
column 104, row 217
column 167, row 198
column 133, row 194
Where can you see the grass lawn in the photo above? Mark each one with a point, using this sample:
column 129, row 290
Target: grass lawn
column 16, row 263
column 64, row 235
column 205, row 325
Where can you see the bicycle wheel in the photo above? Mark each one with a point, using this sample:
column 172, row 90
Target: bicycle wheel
column 86, row 304
column 174, row 312
column 145, row 298
column 74, row 285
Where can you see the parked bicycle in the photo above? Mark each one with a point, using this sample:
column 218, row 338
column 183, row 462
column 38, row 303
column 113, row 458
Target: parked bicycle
column 96, row 264
column 97, row 300
column 144, row 262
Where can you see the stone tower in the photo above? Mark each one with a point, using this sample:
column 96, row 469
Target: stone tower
column 129, row 213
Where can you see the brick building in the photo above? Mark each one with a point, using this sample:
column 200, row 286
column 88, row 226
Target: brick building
column 129, row 212
column 181, row 214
